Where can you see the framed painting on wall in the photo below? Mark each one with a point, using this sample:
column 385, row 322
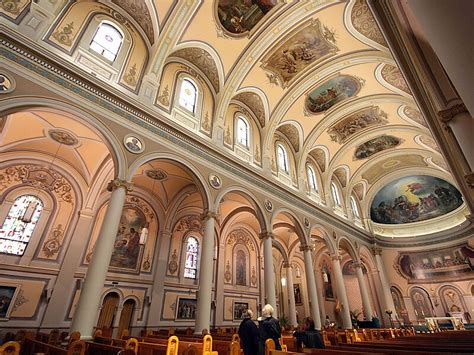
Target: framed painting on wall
column 297, row 292
column 186, row 308
column 8, row 294
column 238, row 309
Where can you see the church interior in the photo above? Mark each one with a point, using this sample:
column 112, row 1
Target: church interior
column 167, row 165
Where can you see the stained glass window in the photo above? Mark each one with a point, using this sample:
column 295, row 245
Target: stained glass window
column 192, row 250
column 242, row 132
column 188, row 95
column 282, row 158
column 313, row 185
column 18, row 226
column 355, row 208
column 240, row 268
column 107, row 41
column 335, row 194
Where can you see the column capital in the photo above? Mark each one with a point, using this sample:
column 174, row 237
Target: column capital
column 335, row 257
column 448, row 114
column 208, row 215
column 117, row 183
column 166, row 233
column 265, row 235
column 376, row 251
column 287, row 265
column 306, row 247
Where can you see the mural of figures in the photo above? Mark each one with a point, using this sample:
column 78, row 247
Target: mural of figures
column 240, row 266
column 452, row 263
column 309, row 45
column 376, row 145
column 297, row 292
column 239, row 309
column 332, row 92
column 413, row 199
column 127, row 242
column 186, row 309
column 399, row 304
column 7, row 294
column 421, row 303
column 240, row 16
column 349, row 268
column 452, row 300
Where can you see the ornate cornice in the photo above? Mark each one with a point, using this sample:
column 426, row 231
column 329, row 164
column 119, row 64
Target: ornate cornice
column 448, row 114
column 117, row 183
column 265, row 235
column 208, row 215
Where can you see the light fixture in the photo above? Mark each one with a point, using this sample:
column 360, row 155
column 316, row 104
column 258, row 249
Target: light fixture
column 283, row 281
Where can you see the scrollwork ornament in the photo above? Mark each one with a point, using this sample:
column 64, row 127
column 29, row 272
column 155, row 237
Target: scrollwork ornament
column 173, row 264
column 253, row 277
column 228, row 272
column 53, row 244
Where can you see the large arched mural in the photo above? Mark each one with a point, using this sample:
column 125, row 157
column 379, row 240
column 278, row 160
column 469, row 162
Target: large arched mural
column 413, row 199
column 332, row 92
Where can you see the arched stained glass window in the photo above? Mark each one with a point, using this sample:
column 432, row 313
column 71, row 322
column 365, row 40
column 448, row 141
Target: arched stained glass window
column 335, row 194
column 18, row 226
column 282, row 158
column 355, row 208
column 243, row 132
column 240, row 268
column 107, row 41
column 188, row 95
column 313, row 185
column 192, row 250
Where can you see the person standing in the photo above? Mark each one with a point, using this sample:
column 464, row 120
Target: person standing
column 248, row 334
column 309, row 336
column 269, row 328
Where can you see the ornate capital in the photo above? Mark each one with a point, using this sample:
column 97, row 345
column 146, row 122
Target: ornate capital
column 470, row 179
column 336, row 257
column 287, row 265
column 306, row 247
column 208, row 215
column 117, row 183
column 376, row 251
column 265, row 235
column 448, row 114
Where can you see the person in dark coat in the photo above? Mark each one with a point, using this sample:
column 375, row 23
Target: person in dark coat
column 309, row 336
column 269, row 328
column 248, row 334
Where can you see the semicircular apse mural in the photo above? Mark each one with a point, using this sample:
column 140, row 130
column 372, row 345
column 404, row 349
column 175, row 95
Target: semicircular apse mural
column 332, row 92
column 413, row 199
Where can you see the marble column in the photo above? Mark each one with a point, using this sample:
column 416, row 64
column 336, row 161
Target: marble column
column 387, row 295
column 312, row 292
column 321, row 300
column 268, row 274
column 368, row 312
column 291, row 295
column 204, row 299
column 341, row 291
column 85, row 314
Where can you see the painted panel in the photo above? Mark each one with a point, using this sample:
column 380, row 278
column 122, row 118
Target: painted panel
column 376, row 145
column 446, row 264
column 332, row 92
column 414, row 198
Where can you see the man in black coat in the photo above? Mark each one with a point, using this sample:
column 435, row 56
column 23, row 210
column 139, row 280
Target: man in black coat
column 248, row 333
column 269, row 328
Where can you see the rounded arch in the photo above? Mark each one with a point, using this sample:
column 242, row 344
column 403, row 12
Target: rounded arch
column 189, row 167
column 13, row 105
column 254, row 105
column 345, row 244
column 132, row 298
column 318, row 230
column 278, row 246
column 299, row 229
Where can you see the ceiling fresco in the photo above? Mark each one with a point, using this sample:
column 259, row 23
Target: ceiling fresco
column 413, row 199
column 364, row 22
column 376, row 145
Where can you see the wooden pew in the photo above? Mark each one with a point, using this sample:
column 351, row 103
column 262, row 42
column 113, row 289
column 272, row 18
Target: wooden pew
column 10, row 348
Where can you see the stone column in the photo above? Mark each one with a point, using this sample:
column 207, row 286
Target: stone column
column 312, row 292
column 291, row 295
column 204, row 299
column 341, row 292
column 85, row 314
column 268, row 275
column 321, row 300
column 368, row 312
column 387, row 295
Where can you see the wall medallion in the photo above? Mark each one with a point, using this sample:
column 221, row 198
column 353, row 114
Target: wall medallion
column 215, row 181
column 306, row 222
column 268, row 205
column 63, row 137
column 133, row 144
column 7, row 84
column 53, row 244
column 156, row 174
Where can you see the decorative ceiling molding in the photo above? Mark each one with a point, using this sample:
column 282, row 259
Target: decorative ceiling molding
column 409, row 113
column 140, row 13
column 254, row 102
column 341, row 175
column 392, row 78
column 291, row 133
column 319, row 156
column 364, row 22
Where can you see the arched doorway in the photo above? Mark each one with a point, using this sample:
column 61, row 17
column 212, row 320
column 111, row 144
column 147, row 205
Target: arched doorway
column 126, row 317
column 107, row 313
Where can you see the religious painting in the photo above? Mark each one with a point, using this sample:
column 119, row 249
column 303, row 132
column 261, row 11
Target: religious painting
column 238, row 309
column 399, row 304
column 453, row 263
column 327, row 280
column 413, row 199
column 240, row 16
column 133, row 144
column 240, row 268
column 350, row 269
column 332, row 92
column 452, row 300
column 186, row 309
column 421, row 303
column 297, row 293
column 6, row 84
column 312, row 43
column 127, row 242
column 7, row 296
column 376, row 145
